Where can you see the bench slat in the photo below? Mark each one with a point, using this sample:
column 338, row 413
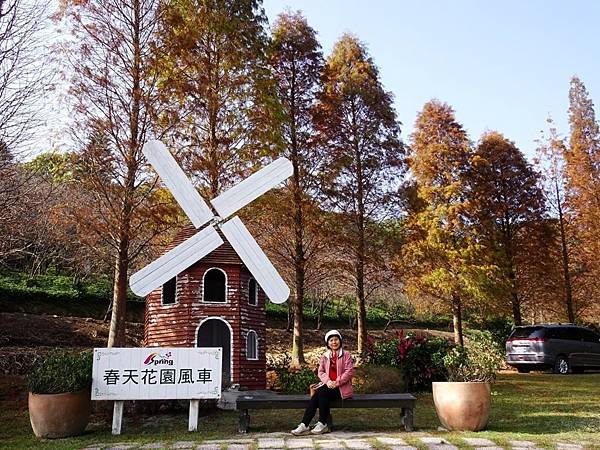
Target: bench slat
column 301, row 401
column 274, row 401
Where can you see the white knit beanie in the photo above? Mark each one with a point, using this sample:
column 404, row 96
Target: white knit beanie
column 331, row 333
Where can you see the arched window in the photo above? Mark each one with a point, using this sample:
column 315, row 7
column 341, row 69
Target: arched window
column 215, row 286
column 251, row 345
column 169, row 292
column 252, row 292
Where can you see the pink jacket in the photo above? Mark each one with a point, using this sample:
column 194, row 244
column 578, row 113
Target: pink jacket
column 345, row 369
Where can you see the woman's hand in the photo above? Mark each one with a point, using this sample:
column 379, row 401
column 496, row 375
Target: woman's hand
column 331, row 384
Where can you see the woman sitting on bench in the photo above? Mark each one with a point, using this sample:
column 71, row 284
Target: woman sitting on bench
column 335, row 371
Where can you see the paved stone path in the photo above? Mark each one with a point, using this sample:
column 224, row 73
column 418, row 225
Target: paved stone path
column 337, row 440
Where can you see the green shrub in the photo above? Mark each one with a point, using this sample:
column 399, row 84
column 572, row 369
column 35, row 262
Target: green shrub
column 423, row 363
column 419, row 358
column 499, row 327
column 371, row 379
column 292, row 381
column 434, row 321
column 62, row 371
column 479, row 360
column 384, row 353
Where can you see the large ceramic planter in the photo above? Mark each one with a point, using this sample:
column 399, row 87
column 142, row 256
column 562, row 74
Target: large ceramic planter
column 59, row 415
column 462, row 406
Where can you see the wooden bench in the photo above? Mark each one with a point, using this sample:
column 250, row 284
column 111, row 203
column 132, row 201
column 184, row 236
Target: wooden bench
column 405, row 402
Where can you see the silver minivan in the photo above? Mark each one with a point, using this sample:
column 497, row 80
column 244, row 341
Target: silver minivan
column 562, row 348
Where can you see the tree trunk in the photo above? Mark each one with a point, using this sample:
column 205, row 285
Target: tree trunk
column 297, row 302
column 512, row 276
column 360, row 249
column 565, row 258
column 297, row 342
column 116, row 333
column 361, row 313
column 321, row 310
column 514, row 299
column 457, row 320
column 299, row 257
column 516, row 309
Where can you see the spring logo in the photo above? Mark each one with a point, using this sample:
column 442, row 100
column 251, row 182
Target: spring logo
column 156, row 358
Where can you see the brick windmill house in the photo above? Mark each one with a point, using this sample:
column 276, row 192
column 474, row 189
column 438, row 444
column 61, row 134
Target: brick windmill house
column 210, row 286
column 216, row 302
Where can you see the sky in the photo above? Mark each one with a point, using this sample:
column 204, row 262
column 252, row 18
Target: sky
column 502, row 65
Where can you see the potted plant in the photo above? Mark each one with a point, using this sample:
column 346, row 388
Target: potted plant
column 59, row 394
column 463, row 402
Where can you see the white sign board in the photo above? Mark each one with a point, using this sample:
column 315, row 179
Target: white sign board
column 156, row 373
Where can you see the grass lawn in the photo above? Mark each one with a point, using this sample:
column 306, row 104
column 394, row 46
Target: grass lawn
column 543, row 408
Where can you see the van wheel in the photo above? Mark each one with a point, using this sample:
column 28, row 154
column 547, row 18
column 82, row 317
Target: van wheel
column 561, row 365
column 523, row 370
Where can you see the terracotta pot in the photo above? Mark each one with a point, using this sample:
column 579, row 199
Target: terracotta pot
column 59, row 415
column 462, row 406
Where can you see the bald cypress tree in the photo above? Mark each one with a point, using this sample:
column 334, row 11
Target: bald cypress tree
column 363, row 155
column 216, row 95
column 583, row 185
column 440, row 249
column 296, row 63
column 114, row 92
column 506, row 203
column 551, row 150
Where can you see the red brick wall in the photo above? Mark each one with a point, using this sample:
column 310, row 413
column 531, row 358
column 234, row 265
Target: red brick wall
column 253, row 374
column 176, row 325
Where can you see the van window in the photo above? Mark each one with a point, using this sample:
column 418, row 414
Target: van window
column 573, row 334
column 528, row 333
column 561, row 333
column 589, row 335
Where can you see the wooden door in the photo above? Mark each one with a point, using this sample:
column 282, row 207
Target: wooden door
column 216, row 333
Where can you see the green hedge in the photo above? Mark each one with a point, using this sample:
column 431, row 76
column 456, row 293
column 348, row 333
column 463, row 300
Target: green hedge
column 376, row 316
column 65, row 295
column 61, row 295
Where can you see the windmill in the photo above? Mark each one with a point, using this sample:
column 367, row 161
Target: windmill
column 208, row 239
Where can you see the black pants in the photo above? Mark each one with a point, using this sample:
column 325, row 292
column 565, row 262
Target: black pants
column 322, row 398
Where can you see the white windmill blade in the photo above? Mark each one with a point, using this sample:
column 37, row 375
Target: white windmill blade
column 255, row 260
column 253, row 187
column 175, row 261
column 178, row 183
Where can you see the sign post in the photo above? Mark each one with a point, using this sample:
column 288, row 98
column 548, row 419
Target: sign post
column 156, row 374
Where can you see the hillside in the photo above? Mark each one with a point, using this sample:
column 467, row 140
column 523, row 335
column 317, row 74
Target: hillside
column 26, row 337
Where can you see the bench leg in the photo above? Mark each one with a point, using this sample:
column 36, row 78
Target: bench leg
column 244, row 421
column 330, row 422
column 407, row 419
